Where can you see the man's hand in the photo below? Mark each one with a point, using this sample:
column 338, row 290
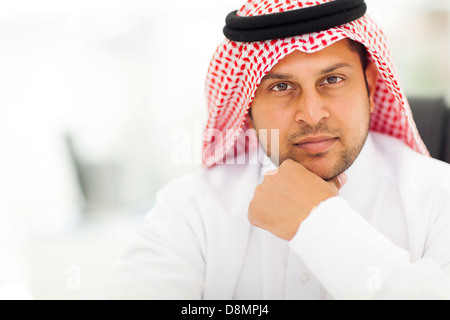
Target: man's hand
column 285, row 199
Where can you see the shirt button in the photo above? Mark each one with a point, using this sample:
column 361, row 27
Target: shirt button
column 304, row 278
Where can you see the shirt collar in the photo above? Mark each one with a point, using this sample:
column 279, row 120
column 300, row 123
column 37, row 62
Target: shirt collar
column 265, row 163
column 363, row 171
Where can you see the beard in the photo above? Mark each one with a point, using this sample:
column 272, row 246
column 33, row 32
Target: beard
column 341, row 162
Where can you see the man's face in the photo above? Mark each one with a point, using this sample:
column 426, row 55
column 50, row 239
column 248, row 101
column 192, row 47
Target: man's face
column 320, row 105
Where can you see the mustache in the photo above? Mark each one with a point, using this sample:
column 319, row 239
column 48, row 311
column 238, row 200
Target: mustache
column 321, row 128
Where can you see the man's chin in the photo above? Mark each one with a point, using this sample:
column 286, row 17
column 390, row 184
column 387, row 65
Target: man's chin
column 324, row 169
column 324, row 173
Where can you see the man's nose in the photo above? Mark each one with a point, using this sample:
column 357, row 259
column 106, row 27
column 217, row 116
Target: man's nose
column 311, row 108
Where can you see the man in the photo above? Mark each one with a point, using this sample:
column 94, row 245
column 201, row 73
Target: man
column 349, row 206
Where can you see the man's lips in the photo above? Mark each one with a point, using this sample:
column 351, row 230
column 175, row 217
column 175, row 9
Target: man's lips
column 318, row 144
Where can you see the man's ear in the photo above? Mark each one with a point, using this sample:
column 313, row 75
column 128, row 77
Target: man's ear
column 250, row 119
column 372, row 77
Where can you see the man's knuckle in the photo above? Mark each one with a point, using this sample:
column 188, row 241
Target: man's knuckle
column 267, row 180
column 290, row 165
column 258, row 190
column 252, row 219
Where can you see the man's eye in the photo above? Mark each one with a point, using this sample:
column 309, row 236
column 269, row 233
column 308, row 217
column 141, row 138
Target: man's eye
column 282, row 87
column 332, row 80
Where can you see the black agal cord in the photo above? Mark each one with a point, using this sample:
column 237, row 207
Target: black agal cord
column 294, row 22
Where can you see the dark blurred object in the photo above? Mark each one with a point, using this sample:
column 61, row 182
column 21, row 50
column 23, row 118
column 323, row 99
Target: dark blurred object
column 99, row 183
column 433, row 122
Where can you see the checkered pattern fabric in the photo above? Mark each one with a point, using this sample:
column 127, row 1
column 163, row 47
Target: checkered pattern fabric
column 237, row 68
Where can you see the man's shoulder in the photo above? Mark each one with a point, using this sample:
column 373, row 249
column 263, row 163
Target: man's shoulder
column 407, row 163
column 217, row 180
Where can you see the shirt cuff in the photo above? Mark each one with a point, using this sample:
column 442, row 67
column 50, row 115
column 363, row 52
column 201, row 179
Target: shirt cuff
column 344, row 251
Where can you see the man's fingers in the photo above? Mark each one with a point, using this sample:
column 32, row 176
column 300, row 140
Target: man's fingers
column 271, row 172
column 340, row 180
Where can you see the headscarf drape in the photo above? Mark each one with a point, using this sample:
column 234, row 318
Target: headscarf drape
column 237, row 68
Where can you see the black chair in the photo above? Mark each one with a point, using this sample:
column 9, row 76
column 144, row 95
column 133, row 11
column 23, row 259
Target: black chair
column 433, row 122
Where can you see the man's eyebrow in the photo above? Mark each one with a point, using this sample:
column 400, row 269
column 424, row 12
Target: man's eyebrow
column 334, row 68
column 286, row 76
column 277, row 76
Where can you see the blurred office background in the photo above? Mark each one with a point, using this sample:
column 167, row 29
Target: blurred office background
column 94, row 99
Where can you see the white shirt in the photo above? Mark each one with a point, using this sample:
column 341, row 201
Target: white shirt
column 387, row 236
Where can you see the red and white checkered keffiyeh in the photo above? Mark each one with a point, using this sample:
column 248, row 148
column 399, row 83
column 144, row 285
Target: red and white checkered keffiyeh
column 237, row 69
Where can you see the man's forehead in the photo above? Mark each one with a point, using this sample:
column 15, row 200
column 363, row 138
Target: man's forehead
column 279, row 75
column 336, row 56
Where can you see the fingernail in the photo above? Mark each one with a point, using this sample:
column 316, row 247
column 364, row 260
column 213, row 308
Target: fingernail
column 342, row 179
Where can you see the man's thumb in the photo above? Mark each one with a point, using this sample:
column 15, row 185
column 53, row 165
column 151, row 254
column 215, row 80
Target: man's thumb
column 340, row 180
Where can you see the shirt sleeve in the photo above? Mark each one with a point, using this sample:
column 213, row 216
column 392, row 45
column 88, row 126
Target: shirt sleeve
column 353, row 260
column 156, row 265
column 151, row 271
